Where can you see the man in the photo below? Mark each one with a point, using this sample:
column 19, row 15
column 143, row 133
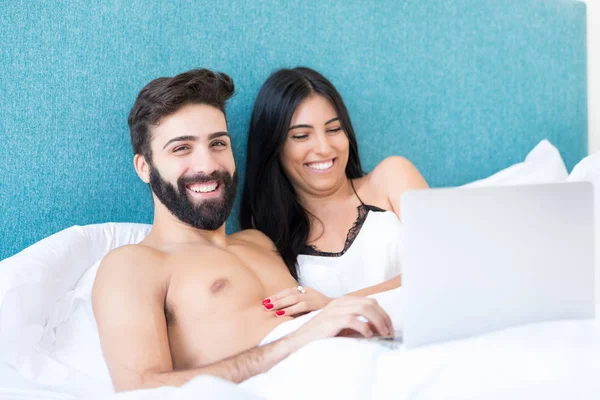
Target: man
column 188, row 299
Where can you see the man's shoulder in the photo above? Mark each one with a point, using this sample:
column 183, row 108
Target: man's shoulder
column 254, row 237
column 129, row 261
column 127, row 274
column 129, row 280
column 130, row 254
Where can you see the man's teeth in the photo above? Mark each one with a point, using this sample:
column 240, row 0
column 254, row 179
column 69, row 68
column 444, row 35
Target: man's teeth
column 204, row 188
column 321, row 165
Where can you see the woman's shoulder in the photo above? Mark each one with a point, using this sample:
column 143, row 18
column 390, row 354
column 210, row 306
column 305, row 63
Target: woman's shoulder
column 394, row 167
column 391, row 172
column 389, row 179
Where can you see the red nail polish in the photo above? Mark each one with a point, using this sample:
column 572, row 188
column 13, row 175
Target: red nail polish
column 280, row 312
column 268, row 306
column 266, row 301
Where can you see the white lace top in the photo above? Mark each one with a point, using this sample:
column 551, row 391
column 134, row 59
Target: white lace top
column 371, row 255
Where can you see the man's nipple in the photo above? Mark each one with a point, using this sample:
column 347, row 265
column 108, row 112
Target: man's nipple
column 218, row 285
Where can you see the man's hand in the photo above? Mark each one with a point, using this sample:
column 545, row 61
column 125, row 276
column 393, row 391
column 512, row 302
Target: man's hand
column 292, row 302
column 343, row 315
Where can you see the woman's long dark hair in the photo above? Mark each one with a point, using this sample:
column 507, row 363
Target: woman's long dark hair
column 269, row 201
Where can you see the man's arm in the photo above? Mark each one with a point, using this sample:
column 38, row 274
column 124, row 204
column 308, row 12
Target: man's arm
column 236, row 368
column 340, row 315
column 128, row 302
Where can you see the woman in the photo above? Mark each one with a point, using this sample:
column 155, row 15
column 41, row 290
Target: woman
column 337, row 229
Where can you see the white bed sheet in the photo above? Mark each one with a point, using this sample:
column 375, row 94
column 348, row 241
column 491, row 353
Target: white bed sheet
column 14, row 387
column 551, row 360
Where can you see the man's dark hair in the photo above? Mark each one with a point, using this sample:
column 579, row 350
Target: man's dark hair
column 164, row 96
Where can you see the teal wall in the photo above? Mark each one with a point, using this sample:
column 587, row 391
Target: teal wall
column 462, row 88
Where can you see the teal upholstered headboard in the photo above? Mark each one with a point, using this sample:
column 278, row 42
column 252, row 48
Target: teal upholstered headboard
column 462, row 88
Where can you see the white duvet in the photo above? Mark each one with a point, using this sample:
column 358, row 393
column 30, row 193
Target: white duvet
column 555, row 360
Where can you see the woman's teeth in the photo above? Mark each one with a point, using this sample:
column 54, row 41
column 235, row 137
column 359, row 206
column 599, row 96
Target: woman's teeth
column 204, row 188
column 319, row 166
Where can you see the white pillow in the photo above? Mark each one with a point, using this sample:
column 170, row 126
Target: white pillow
column 588, row 170
column 47, row 330
column 543, row 164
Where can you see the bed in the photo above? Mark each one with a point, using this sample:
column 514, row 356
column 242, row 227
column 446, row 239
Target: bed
column 472, row 92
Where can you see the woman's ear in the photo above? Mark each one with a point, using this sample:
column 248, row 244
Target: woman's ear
column 141, row 167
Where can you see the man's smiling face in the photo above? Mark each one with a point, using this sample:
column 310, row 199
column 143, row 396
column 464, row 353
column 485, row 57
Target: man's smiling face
column 192, row 170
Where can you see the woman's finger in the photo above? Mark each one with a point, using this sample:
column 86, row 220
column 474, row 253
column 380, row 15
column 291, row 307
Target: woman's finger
column 281, row 294
column 284, row 302
column 297, row 309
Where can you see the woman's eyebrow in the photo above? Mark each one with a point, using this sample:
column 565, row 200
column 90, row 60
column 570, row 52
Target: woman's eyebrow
column 310, row 126
column 300, row 126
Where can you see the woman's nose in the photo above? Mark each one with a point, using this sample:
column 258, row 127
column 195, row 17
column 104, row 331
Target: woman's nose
column 323, row 147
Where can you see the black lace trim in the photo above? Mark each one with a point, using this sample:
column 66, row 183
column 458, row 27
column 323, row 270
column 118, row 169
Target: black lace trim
column 363, row 211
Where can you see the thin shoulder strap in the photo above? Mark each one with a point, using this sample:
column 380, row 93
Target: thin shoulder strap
column 354, row 190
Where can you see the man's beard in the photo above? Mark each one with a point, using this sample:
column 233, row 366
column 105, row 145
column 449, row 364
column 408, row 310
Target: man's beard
column 209, row 214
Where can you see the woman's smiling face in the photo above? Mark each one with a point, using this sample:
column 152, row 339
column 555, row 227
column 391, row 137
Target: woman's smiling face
column 315, row 152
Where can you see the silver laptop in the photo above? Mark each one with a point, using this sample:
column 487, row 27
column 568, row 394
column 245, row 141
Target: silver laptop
column 483, row 259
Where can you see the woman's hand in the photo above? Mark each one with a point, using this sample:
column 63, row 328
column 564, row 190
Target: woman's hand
column 295, row 301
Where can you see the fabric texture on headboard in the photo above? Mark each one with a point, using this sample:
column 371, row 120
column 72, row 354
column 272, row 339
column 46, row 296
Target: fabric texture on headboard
column 462, row 88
